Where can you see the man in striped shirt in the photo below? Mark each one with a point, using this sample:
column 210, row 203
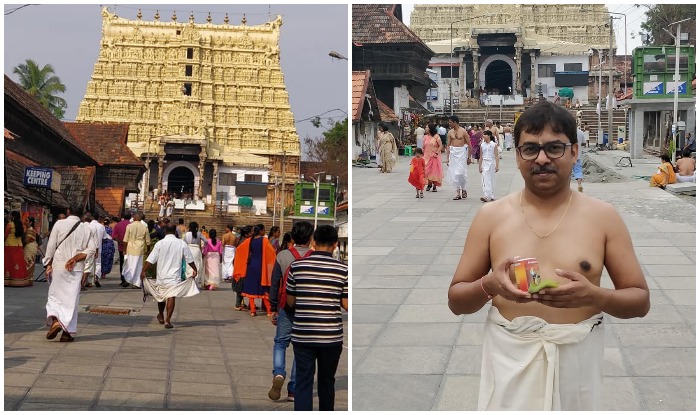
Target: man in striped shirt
column 317, row 288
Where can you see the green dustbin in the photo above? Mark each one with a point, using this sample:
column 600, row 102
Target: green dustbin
column 408, row 151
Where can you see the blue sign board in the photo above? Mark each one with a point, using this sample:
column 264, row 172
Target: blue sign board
column 653, row 88
column 38, row 177
column 323, row 210
column 671, row 87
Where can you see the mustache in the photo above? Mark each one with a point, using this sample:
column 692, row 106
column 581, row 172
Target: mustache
column 547, row 168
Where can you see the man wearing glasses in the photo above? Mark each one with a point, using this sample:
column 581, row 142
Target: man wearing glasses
column 544, row 350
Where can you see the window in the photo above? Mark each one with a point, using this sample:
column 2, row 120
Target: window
column 573, row 67
column 177, row 32
column 445, row 72
column 188, row 70
column 253, row 178
column 222, row 196
column 656, row 63
column 546, row 70
column 324, row 195
column 188, row 89
column 671, row 63
column 227, row 179
column 190, row 53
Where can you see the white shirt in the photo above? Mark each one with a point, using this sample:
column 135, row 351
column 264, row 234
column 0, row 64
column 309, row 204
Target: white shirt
column 441, row 130
column 168, row 254
column 80, row 241
column 99, row 232
column 487, row 150
column 420, row 132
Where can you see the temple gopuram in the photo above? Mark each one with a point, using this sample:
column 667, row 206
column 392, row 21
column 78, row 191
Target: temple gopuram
column 206, row 104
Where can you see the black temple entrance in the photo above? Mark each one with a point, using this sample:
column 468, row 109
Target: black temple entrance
column 499, row 77
column 181, row 180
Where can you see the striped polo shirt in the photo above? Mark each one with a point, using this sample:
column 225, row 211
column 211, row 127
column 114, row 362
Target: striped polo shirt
column 318, row 282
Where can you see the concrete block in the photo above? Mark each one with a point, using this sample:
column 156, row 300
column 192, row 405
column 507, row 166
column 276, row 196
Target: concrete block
column 429, row 313
column 135, row 385
column 200, row 389
column 619, row 394
column 200, row 377
column 408, row 360
column 427, row 296
column 655, row 335
column 132, row 400
column 416, row 334
column 465, row 360
column 365, row 334
column 667, row 393
column 374, row 313
column 383, row 296
column 661, row 361
column 458, row 393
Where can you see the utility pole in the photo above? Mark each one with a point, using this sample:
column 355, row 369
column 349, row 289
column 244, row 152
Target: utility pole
column 610, row 86
column 284, row 160
column 676, row 81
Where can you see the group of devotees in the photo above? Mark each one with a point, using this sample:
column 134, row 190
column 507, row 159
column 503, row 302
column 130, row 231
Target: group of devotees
column 306, row 287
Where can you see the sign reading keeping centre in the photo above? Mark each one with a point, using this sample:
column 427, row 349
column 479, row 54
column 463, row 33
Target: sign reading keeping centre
column 38, row 177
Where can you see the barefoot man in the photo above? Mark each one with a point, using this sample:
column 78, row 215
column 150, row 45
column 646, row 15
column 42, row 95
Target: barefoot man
column 460, row 153
column 544, row 351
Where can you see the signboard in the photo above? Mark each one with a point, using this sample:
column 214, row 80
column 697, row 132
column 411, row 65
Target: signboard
column 653, row 88
column 306, row 210
column 671, row 87
column 38, row 177
column 324, row 210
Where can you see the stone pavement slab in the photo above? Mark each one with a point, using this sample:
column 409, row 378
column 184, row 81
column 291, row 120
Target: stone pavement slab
column 411, row 353
column 214, row 359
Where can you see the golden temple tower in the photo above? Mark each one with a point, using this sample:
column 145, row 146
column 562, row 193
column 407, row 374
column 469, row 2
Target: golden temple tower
column 207, row 105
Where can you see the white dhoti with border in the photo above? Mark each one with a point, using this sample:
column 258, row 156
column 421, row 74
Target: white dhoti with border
column 161, row 289
column 227, row 265
column 457, row 171
column 531, row 365
column 197, row 255
column 488, row 177
column 63, row 298
column 133, row 265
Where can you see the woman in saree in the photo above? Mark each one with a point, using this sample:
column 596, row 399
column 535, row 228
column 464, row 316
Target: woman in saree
column 433, row 159
column 246, row 232
column 107, row 251
column 15, row 266
column 213, row 254
column 30, row 246
column 255, row 259
column 387, row 149
column 664, row 175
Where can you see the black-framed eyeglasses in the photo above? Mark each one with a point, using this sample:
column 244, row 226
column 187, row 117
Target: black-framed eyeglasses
column 553, row 150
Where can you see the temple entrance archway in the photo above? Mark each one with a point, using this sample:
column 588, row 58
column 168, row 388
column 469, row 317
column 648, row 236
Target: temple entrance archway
column 498, row 73
column 181, row 177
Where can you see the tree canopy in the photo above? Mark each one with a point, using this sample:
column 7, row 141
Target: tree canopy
column 659, row 16
column 331, row 151
column 42, row 84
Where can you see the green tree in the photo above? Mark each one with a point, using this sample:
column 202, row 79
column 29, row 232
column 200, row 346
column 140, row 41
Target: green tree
column 659, row 16
column 42, row 84
column 331, row 151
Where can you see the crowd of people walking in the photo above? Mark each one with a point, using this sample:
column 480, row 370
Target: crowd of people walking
column 284, row 274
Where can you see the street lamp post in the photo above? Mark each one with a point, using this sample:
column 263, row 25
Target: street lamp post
column 317, row 182
column 610, row 87
column 599, row 108
column 676, row 79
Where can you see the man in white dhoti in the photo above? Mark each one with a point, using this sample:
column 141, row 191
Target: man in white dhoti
column 229, row 239
column 136, row 238
column 168, row 254
column 94, row 270
column 545, row 350
column 69, row 245
column 89, row 265
column 460, row 151
column 488, row 166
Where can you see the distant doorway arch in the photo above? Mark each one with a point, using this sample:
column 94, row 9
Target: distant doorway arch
column 499, row 72
column 181, row 176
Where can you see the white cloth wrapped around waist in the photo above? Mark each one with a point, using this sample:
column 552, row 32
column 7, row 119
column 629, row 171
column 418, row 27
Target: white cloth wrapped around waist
column 160, row 292
column 529, row 364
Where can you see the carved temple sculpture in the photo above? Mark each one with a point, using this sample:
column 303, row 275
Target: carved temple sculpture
column 210, row 97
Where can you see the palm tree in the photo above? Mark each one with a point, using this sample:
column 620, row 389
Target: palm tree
column 42, row 84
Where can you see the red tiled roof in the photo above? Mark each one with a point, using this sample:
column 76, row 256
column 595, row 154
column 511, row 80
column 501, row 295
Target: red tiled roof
column 76, row 183
column 36, row 110
column 386, row 113
column 10, row 135
column 104, row 142
column 377, row 23
column 360, row 82
column 112, row 199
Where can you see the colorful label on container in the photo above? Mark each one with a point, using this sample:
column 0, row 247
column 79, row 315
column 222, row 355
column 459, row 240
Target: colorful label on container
column 653, row 88
column 527, row 272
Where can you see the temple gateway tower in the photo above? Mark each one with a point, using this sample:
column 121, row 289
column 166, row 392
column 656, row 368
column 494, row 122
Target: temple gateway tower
column 207, row 106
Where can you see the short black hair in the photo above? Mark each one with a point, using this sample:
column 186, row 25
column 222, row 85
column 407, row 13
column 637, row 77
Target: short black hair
column 325, row 235
column 170, row 228
column 181, row 221
column 666, row 158
column 686, row 153
column 301, row 232
column 419, row 150
column 433, row 128
column 454, row 118
column 383, row 127
column 126, row 215
column 536, row 118
column 488, row 133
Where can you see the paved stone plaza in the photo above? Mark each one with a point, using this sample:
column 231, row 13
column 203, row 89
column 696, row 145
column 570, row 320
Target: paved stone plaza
column 214, row 359
column 411, row 353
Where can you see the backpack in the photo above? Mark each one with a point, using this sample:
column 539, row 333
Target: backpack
column 282, row 294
